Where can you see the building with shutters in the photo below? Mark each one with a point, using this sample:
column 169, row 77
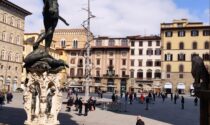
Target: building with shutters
column 181, row 40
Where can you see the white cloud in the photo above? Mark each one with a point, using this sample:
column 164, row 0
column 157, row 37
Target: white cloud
column 113, row 17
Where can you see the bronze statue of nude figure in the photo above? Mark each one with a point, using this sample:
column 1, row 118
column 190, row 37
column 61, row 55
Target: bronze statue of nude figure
column 51, row 17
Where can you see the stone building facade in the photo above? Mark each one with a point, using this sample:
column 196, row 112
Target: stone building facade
column 145, row 63
column 181, row 40
column 110, row 57
column 12, row 19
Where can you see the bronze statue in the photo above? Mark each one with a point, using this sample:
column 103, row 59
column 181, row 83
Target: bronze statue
column 51, row 17
column 199, row 73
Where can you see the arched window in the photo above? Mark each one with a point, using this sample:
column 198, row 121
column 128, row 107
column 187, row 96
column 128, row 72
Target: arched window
column 111, row 42
column 168, row 68
column 149, row 74
column 75, row 44
column 72, row 72
column 12, row 21
column 5, row 18
column 140, row 74
column 181, row 45
column 18, row 23
column 10, row 56
column 206, row 57
column 3, row 54
column 16, row 57
column 206, row 45
column 18, row 40
column 11, row 38
column 157, row 74
column 4, row 36
column 63, row 43
column 181, row 68
column 168, row 46
column 194, row 45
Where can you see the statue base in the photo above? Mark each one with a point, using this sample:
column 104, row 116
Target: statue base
column 42, row 98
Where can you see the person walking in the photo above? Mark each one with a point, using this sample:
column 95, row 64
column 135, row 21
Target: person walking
column 131, row 98
column 87, row 105
column 69, row 104
column 1, row 100
column 196, row 101
column 113, row 97
column 139, row 121
column 163, row 97
column 142, row 98
column 147, row 103
column 182, row 101
column 135, row 96
column 175, row 98
column 172, row 97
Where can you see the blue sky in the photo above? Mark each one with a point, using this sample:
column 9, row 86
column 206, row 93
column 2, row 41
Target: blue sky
column 119, row 17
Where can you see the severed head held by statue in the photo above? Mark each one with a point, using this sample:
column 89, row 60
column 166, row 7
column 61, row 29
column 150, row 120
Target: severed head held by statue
column 39, row 59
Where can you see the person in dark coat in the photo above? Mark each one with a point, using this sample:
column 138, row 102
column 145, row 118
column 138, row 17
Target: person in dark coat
column 1, row 100
column 171, row 96
column 76, row 103
column 131, row 98
column 139, row 121
column 80, row 105
column 147, row 103
column 113, row 97
column 87, row 105
column 182, row 101
column 196, row 101
column 175, row 98
column 126, row 96
column 135, row 96
column 69, row 104
column 163, row 97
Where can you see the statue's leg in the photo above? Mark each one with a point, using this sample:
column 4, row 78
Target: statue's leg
column 39, row 40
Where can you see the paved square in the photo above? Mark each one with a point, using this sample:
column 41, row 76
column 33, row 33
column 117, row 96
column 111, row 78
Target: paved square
column 160, row 113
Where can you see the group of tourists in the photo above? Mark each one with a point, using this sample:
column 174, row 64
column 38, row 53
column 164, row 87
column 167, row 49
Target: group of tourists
column 5, row 96
column 79, row 103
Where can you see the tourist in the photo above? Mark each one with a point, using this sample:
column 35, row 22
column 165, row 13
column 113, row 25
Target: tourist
column 135, row 96
column 196, row 101
column 142, row 98
column 126, row 96
column 147, row 103
column 80, row 105
column 121, row 95
column 69, row 104
column 9, row 97
column 175, row 98
column 171, row 96
column 1, row 100
column 76, row 103
column 87, row 106
column 154, row 96
column 113, row 97
column 163, row 97
column 139, row 121
column 131, row 98
column 182, row 101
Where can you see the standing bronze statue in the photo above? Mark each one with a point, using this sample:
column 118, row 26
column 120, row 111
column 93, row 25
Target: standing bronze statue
column 51, row 17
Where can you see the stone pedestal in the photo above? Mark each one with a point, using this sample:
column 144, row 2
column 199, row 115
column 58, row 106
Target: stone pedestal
column 42, row 98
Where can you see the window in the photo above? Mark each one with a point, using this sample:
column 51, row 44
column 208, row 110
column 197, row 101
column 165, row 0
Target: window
column 132, row 43
column 132, row 62
column 16, row 58
column 157, row 52
column 149, row 63
column 194, row 33
column 98, row 73
column 73, row 53
column 124, row 42
column 157, row 63
column 98, row 61
column 111, row 42
column 157, row 43
column 2, row 54
column 98, row 42
column 181, row 68
column 11, row 38
column 18, row 23
column 63, row 43
column 194, row 45
column 75, row 44
column 140, row 74
column 157, row 74
column 206, row 32
column 181, row 45
column 72, row 72
column 18, row 39
column 10, row 56
column 181, row 33
column 168, row 33
column 140, row 43
column 124, row 62
column 80, row 72
column 168, row 57
column 111, row 53
column 132, row 74
column 179, row 24
column 140, row 62
column 206, row 57
column 149, row 43
column 132, row 52
column 80, row 62
column 149, row 74
column 140, row 51
column 149, row 52
column 194, row 54
column 110, row 62
column 168, row 68
column 181, row 57
column 5, row 18
column 168, row 46
column 168, row 75
column 206, row 45
column 16, row 68
column 12, row 21
column 4, row 36
column 72, row 61
column 123, row 73
column 181, row 76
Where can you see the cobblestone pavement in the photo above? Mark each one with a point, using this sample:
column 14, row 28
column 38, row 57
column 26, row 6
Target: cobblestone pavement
column 159, row 113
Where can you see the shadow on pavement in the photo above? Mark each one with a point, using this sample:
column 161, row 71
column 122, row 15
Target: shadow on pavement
column 17, row 116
